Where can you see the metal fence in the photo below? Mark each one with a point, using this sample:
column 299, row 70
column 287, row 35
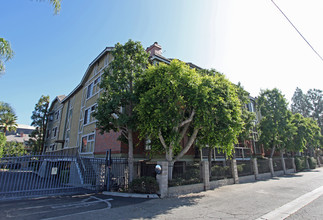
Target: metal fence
column 289, row 163
column 245, row 167
column 220, row 170
column 277, row 164
column 185, row 174
column 263, row 166
column 39, row 175
column 117, row 175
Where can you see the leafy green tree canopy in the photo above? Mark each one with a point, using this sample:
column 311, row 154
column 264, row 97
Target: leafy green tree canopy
column 115, row 110
column 275, row 125
column 176, row 101
column 307, row 133
column 6, row 53
column 8, row 118
column 39, row 120
column 309, row 104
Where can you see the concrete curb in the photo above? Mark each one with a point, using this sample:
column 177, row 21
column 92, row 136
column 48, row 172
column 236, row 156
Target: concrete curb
column 132, row 195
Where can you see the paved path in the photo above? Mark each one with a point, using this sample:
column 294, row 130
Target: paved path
column 242, row 201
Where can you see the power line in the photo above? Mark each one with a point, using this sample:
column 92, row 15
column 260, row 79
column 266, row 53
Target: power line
column 297, row 30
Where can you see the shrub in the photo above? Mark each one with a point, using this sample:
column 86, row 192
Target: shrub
column 181, row 181
column 300, row 163
column 240, row 167
column 312, row 162
column 145, row 184
column 220, row 172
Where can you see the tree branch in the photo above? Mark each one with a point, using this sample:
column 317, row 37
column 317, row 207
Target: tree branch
column 162, row 140
column 188, row 120
column 188, row 145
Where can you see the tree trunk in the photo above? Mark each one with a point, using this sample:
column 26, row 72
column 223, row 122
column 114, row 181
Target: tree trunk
column 170, row 169
column 272, row 151
column 169, row 158
column 210, row 159
column 130, row 155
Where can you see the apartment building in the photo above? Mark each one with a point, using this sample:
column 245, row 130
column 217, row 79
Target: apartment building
column 72, row 128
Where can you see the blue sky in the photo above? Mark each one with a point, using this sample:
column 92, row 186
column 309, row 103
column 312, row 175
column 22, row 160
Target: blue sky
column 249, row 41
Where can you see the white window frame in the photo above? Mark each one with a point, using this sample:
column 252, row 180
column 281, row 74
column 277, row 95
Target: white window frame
column 89, row 91
column 87, row 116
column 87, row 143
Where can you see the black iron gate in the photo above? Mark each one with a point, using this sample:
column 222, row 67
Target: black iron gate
column 39, row 175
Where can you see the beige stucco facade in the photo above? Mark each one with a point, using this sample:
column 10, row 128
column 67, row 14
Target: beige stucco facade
column 70, row 124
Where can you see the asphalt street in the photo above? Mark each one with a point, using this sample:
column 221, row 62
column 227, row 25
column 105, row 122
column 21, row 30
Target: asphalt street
column 299, row 192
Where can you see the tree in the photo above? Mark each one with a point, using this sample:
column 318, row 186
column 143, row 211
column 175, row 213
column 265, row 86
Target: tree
column 39, row 120
column 12, row 149
column 275, row 125
column 247, row 116
column 176, row 102
column 3, row 141
column 57, row 5
column 309, row 104
column 116, row 105
column 307, row 135
column 6, row 53
column 299, row 103
column 315, row 105
column 7, row 118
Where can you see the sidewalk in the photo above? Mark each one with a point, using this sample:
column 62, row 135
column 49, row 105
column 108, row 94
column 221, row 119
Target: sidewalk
column 241, row 201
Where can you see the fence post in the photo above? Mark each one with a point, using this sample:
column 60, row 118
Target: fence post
column 294, row 165
column 271, row 167
column 318, row 161
column 306, row 162
column 205, row 174
column 162, row 179
column 283, row 163
column 234, row 170
column 255, row 168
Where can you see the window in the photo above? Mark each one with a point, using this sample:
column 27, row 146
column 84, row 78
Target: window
column 51, row 117
column 95, row 69
column 87, row 144
column 89, row 91
column 48, row 133
column 97, row 80
column 54, row 132
column 84, row 144
column 88, row 115
column 250, row 107
column 148, row 144
column 106, row 60
column 57, row 115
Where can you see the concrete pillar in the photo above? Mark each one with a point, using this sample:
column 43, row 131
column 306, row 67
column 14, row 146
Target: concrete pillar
column 234, row 171
column 271, row 167
column 283, row 164
column 162, row 179
column 294, row 165
column 318, row 161
column 205, row 174
column 306, row 163
column 255, row 168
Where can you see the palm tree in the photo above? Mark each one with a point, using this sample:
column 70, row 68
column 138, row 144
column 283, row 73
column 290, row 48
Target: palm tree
column 8, row 122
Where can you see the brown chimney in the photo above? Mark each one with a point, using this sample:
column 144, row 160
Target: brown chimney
column 154, row 49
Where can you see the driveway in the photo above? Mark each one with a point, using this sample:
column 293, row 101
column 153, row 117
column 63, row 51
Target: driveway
column 62, row 206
